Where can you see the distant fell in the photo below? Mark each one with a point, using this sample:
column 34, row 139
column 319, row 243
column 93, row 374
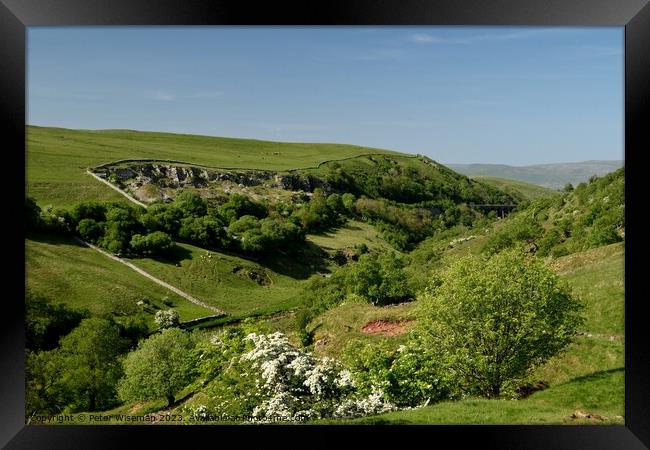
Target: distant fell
column 553, row 176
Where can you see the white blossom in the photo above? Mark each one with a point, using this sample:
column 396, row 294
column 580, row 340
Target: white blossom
column 167, row 319
column 294, row 380
column 373, row 404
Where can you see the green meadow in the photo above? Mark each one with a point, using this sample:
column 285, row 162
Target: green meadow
column 57, row 158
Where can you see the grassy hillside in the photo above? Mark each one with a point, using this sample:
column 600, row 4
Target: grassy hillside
column 57, row 158
column 343, row 324
column 588, row 377
column 586, row 381
column 348, row 235
column 236, row 285
column 594, row 399
column 317, row 290
column 590, row 216
column 62, row 271
column 518, row 189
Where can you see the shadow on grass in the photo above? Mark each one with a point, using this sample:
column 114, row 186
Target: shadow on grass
column 177, row 255
column 52, row 238
column 300, row 263
column 595, row 376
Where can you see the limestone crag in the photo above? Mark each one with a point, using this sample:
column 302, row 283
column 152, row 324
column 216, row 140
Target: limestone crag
column 135, row 176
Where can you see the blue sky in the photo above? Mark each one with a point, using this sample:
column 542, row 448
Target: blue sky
column 521, row 95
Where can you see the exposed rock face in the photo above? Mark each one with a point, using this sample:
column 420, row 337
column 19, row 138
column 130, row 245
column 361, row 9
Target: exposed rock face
column 173, row 176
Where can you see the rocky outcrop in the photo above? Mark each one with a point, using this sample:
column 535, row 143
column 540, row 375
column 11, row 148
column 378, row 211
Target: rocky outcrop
column 135, row 176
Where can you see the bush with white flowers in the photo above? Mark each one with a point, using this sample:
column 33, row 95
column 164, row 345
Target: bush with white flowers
column 359, row 407
column 271, row 380
column 299, row 385
column 167, row 319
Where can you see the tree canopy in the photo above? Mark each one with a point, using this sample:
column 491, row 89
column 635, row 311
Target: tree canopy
column 492, row 319
column 160, row 367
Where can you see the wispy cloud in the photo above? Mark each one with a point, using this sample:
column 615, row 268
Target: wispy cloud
column 422, row 38
column 429, row 38
column 163, row 96
column 595, row 51
column 166, row 96
column 381, row 55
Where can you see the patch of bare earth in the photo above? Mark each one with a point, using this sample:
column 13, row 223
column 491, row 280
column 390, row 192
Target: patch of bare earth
column 387, row 328
column 137, row 407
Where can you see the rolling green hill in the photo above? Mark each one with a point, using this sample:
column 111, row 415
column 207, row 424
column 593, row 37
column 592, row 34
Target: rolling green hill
column 396, row 196
column 61, row 270
column 57, row 158
column 238, row 286
column 553, row 176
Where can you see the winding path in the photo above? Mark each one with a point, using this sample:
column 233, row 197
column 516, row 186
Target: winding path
column 152, row 278
column 115, row 188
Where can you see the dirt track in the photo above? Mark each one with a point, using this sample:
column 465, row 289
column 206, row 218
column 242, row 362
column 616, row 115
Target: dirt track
column 152, row 278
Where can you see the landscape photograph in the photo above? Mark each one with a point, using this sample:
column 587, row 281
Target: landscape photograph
column 324, row 226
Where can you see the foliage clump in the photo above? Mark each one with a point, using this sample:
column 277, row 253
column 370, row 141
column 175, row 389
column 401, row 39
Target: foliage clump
column 491, row 320
column 159, row 368
column 263, row 378
column 167, row 319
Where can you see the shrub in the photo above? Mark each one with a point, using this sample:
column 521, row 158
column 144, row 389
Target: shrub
column 167, row 319
column 32, row 214
column 379, row 278
column 239, row 205
column 88, row 361
column 204, row 231
column 407, row 375
column 160, row 367
column 155, row 244
column 87, row 210
column 90, row 230
column 490, row 320
column 191, row 204
column 161, row 217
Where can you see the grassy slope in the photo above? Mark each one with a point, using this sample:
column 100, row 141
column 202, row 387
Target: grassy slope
column 519, row 189
column 587, row 377
column 63, row 271
column 212, row 279
column 348, row 235
column 56, row 158
column 599, row 394
column 339, row 326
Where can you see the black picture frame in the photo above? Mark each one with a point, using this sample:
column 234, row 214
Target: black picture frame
column 634, row 15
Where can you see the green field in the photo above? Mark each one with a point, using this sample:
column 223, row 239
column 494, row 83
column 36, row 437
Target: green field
column 216, row 280
column 63, row 271
column 518, row 189
column 348, row 235
column 57, row 158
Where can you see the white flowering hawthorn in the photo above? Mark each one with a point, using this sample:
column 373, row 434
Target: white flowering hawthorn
column 263, row 378
column 370, row 405
column 298, row 383
column 167, row 319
